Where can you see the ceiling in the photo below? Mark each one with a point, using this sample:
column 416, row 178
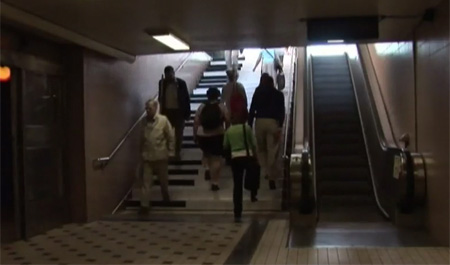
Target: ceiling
column 214, row 24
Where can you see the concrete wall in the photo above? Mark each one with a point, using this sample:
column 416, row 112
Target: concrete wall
column 414, row 80
column 114, row 96
column 432, row 70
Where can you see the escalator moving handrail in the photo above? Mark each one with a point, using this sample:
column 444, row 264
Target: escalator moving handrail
column 374, row 186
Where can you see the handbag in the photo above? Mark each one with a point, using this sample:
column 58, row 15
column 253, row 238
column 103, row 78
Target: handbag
column 252, row 170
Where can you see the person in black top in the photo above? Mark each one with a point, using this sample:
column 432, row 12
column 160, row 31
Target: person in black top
column 174, row 103
column 268, row 111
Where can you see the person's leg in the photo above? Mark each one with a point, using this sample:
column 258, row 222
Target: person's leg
column 261, row 144
column 147, row 181
column 161, row 168
column 203, row 143
column 238, row 172
column 205, row 165
column 215, row 166
column 272, row 152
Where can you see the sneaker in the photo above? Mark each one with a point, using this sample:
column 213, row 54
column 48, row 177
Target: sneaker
column 215, row 187
column 272, row 185
column 254, row 199
column 207, row 175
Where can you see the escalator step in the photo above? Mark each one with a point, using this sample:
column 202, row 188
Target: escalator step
column 334, row 100
column 336, row 79
column 333, row 87
column 343, row 174
column 336, row 201
column 333, row 93
column 340, row 149
column 340, row 161
column 325, row 72
column 342, row 138
column 336, row 118
column 338, row 187
column 339, row 128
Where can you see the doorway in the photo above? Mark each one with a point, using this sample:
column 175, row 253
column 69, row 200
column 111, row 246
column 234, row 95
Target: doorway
column 35, row 194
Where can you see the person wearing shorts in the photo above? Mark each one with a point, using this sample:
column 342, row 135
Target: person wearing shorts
column 210, row 140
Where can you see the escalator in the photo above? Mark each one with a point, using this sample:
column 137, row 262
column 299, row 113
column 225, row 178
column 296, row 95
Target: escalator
column 349, row 190
column 344, row 186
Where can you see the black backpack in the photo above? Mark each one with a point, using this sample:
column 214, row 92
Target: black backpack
column 211, row 116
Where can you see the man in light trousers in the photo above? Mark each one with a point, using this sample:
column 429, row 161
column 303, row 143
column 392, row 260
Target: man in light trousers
column 157, row 145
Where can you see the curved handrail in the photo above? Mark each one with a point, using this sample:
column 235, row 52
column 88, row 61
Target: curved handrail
column 374, row 186
column 102, row 162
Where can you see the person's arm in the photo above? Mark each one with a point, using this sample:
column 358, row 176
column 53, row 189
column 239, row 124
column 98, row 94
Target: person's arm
column 280, row 116
column 282, row 113
column 226, row 141
column 186, row 99
column 170, row 136
column 258, row 61
column 197, row 121
column 224, row 94
column 253, row 107
column 251, row 141
column 226, row 116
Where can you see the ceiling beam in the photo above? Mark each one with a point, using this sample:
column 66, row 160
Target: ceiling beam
column 18, row 16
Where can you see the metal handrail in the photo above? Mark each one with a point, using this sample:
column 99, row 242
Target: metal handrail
column 102, row 162
column 375, row 190
column 288, row 135
column 312, row 135
column 382, row 99
column 308, row 197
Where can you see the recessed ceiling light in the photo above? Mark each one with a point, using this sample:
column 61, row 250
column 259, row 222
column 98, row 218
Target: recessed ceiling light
column 172, row 42
column 335, row 41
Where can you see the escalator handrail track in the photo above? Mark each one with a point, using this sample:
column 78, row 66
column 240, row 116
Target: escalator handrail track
column 372, row 177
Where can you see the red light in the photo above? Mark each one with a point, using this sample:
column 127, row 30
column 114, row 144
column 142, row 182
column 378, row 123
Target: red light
column 5, row 74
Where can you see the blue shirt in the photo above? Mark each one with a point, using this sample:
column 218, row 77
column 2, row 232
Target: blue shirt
column 268, row 55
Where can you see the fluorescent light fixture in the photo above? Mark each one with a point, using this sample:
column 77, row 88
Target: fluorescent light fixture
column 172, row 42
column 335, row 41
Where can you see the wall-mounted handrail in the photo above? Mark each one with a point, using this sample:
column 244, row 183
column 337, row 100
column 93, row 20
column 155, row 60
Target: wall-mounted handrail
column 383, row 101
column 102, row 162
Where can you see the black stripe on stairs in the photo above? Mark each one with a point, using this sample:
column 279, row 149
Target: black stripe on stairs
column 185, row 162
column 183, row 171
column 177, row 182
column 174, row 204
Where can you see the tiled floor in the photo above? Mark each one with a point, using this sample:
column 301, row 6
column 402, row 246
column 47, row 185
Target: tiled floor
column 129, row 242
column 199, row 240
column 272, row 249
